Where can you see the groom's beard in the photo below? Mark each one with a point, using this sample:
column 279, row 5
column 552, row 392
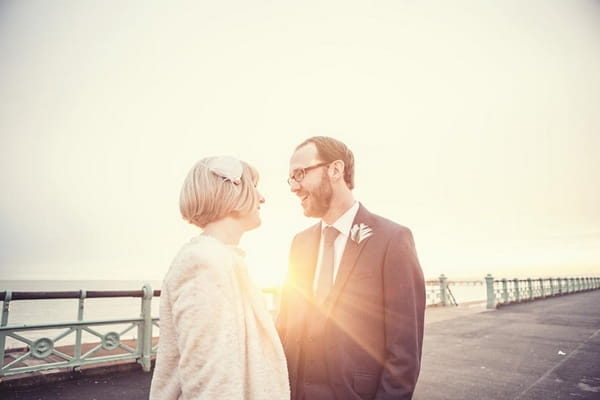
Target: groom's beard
column 320, row 199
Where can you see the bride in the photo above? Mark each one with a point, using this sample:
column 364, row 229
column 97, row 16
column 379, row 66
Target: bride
column 217, row 339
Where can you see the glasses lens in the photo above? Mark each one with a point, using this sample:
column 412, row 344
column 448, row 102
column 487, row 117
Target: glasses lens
column 299, row 175
column 296, row 176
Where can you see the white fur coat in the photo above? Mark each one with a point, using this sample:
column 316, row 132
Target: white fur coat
column 217, row 339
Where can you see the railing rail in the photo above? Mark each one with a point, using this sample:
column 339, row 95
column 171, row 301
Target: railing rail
column 46, row 352
column 110, row 346
column 506, row 291
column 47, row 355
column 438, row 292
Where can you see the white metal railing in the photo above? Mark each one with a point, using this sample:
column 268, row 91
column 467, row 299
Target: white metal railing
column 507, row 291
column 43, row 353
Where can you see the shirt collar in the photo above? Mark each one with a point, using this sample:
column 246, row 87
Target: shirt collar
column 344, row 223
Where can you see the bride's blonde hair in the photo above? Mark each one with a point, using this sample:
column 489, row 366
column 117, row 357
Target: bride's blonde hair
column 206, row 196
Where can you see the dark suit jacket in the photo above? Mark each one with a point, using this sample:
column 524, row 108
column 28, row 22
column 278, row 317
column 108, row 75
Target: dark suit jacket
column 374, row 331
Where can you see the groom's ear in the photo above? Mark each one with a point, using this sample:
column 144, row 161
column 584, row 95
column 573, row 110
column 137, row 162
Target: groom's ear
column 337, row 170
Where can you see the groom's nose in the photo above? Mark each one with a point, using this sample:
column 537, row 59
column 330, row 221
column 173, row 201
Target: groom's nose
column 294, row 186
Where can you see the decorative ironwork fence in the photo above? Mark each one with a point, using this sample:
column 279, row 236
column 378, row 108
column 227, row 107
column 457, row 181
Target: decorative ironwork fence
column 46, row 352
column 507, row 291
column 439, row 292
column 43, row 353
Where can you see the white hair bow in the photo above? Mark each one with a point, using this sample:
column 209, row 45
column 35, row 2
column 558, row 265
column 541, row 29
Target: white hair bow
column 228, row 168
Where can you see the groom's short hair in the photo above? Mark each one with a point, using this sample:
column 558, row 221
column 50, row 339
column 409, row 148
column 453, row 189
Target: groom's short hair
column 329, row 150
column 206, row 197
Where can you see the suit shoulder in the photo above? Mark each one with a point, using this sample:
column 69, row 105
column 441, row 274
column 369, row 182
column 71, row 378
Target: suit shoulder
column 308, row 231
column 391, row 227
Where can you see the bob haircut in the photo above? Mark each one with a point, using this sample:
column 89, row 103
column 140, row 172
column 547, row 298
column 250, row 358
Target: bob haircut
column 207, row 197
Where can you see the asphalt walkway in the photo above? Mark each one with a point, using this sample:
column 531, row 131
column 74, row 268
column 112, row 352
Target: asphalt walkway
column 543, row 350
column 548, row 349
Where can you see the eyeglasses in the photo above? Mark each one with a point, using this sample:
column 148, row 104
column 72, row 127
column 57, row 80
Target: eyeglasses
column 300, row 173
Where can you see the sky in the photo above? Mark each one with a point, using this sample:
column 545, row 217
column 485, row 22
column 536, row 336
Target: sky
column 474, row 123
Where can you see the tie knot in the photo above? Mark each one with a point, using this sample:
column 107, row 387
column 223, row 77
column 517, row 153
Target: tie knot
column 330, row 234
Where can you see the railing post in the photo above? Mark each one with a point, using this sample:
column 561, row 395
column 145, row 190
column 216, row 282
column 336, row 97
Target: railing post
column 491, row 296
column 551, row 286
column 146, row 338
column 443, row 292
column 80, row 309
column 571, row 285
column 559, row 289
column 542, row 294
column 516, row 288
column 530, row 288
column 4, row 322
column 504, row 291
column 579, row 286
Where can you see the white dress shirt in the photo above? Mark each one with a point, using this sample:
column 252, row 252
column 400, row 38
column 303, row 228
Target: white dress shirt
column 343, row 225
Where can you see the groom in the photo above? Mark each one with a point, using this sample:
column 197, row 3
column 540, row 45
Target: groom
column 351, row 318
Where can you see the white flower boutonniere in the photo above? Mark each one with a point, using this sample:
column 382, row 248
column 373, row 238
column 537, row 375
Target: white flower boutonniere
column 360, row 232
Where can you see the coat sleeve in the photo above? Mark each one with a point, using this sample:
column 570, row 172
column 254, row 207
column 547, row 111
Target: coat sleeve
column 404, row 308
column 209, row 333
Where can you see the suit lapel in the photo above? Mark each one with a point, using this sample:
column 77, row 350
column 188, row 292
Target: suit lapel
column 351, row 253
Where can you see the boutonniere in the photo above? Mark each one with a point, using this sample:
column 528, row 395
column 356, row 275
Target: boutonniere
column 360, row 232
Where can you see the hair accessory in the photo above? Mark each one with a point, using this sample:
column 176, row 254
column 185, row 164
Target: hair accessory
column 228, row 168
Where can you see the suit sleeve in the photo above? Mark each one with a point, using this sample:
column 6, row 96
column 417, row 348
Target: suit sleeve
column 404, row 308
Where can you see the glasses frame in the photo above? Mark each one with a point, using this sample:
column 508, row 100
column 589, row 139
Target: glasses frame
column 300, row 173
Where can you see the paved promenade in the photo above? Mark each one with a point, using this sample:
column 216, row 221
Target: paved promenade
column 548, row 349
column 543, row 350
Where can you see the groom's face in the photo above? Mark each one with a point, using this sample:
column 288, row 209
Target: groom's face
column 314, row 190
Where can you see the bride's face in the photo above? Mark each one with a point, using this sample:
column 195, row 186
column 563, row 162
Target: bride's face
column 251, row 220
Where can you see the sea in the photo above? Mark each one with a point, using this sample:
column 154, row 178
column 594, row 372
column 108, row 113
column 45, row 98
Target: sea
column 27, row 312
